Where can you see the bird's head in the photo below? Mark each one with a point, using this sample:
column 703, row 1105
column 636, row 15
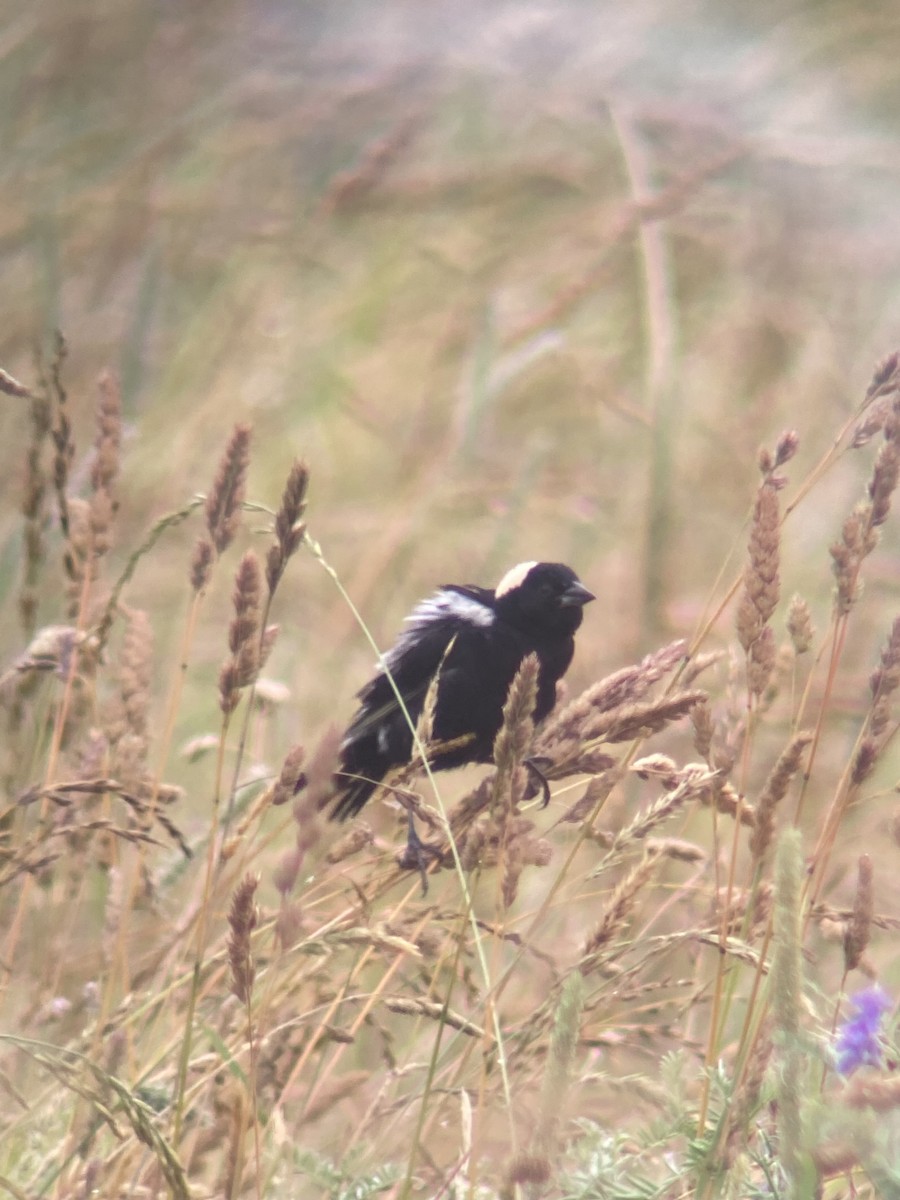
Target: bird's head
column 542, row 596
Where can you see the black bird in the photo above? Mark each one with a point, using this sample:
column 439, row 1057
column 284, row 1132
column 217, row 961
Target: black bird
column 476, row 639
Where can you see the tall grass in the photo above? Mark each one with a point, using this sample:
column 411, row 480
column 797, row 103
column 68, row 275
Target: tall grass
column 589, row 1000
column 525, row 281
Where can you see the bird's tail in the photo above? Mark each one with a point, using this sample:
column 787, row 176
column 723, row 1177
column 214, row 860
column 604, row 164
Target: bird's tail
column 351, row 793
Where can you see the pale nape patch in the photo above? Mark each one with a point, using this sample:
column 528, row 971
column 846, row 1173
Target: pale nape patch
column 513, row 577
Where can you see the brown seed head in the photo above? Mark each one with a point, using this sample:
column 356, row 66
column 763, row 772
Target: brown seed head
column 242, row 919
column 703, row 726
column 773, row 793
column 761, row 577
column 886, row 378
column 761, row 662
column 289, row 529
column 290, row 774
column 246, row 598
column 864, row 761
column 514, row 739
column 884, row 479
column 859, row 927
column 786, row 447
column 108, row 440
column 223, row 505
column 799, row 625
column 201, row 564
column 620, row 905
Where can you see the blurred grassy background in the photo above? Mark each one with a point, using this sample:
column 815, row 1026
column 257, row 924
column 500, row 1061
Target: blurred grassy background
column 519, row 280
column 404, row 241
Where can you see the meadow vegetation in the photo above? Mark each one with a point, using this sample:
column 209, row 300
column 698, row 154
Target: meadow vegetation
column 358, row 317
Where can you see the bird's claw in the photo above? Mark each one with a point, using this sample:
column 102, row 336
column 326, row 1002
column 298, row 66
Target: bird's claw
column 538, row 776
column 417, row 855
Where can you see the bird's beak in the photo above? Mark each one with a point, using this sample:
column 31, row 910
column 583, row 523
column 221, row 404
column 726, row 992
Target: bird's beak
column 575, row 595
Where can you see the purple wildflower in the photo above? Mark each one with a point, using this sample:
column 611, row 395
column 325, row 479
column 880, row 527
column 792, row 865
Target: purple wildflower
column 859, row 1036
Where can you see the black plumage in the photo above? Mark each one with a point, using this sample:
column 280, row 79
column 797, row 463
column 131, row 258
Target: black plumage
column 476, row 638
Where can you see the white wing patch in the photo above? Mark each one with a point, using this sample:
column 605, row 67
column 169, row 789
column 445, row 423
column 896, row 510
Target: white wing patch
column 513, row 578
column 441, row 606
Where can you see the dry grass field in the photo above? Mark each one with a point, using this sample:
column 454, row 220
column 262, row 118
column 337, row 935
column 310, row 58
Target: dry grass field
column 308, row 309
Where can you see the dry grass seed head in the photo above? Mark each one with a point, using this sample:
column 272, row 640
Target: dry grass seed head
column 692, row 781
column 135, row 672
column 723, row 797
column 859, row 927
column 640, row 720
column 246, row 599
column 318, row 790
column 859, row 534
column 878, row 401
column 358, row 838
column 60, row 432
column 106, row 464
column 289, row 529
column 242, row 667
column 594, row 795
column 76, row 553
column 786, row 447
column 523, row 849
column 620, row 905
column 759, row 596
column 799, row 625
column 761, row 662
column 34, row 509
column 883, row 682
column 223, row 504
column 513, row 741
column 201, row 564
column 886, row 377
column 242, row 919
column 864, row 761
column 286, row 784
column 703, row 727
column 773, row 793
column 659, row 767
column 625, row 686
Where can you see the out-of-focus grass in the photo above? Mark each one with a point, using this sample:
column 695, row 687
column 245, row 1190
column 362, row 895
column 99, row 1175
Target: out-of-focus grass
column 518, row 281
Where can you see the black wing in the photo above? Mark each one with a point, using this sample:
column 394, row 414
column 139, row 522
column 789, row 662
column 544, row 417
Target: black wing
column 379, row 736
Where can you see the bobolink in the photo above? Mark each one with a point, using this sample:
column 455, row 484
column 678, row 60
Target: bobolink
column 476, row 639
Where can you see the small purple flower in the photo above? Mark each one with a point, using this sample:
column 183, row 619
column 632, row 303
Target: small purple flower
column 859, row 1036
